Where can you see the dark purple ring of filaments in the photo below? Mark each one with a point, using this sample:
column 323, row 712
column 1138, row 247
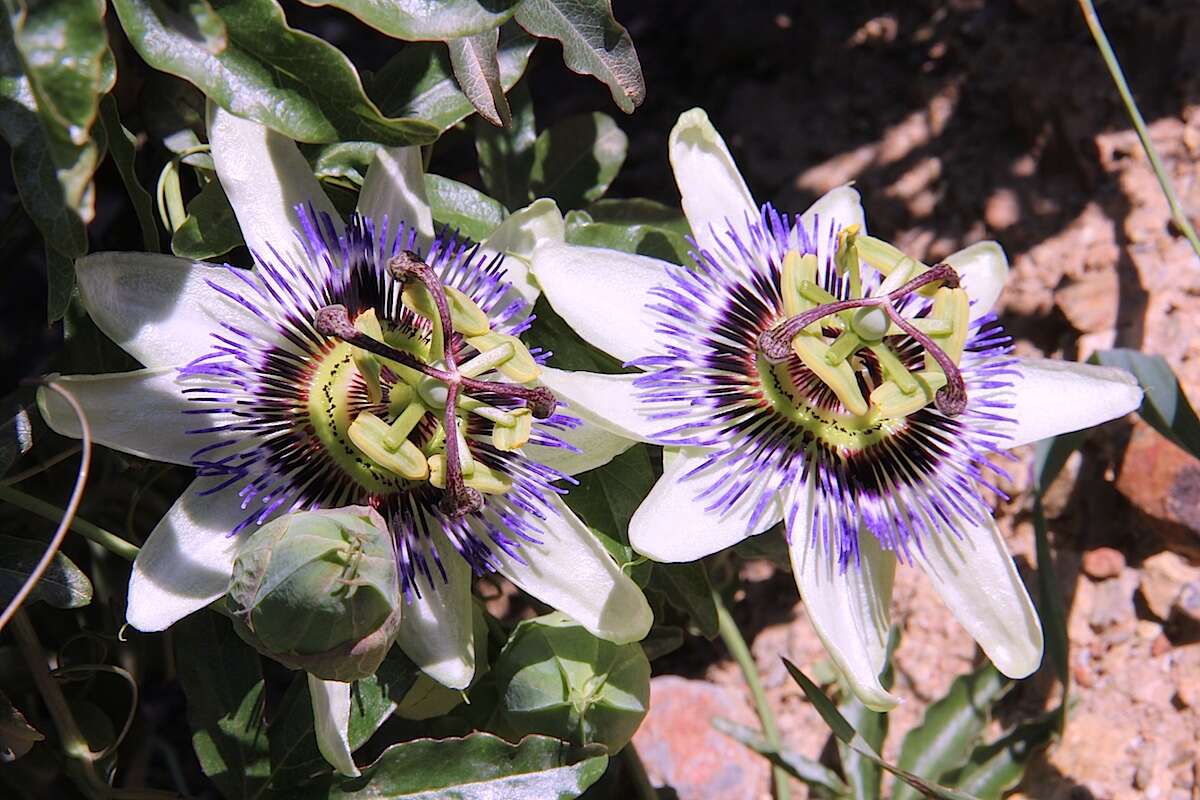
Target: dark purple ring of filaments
column 913, row 483
column 252, row 386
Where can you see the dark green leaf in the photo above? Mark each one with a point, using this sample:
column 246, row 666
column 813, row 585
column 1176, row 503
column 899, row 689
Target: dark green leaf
column 506, row 154
column 210, row 228
column 16, row 432
column 17, row 736
column 54, row 66
column 1165, row 406
column 686, row 587
column 470, row 211
column 862, row 773
column 222, row 678
column 593, row 43
column 995, row 768
column 477, row 70
column 643, row 240
column 245, row 57
column 606, row 497
column 472, row 768
column 825, row 707
column 121, row 147
column 575, row 161
column 951, row 727
column 1050, row 455
column 661, row 640
column 1050, row 606
column 569, row 351
column 172, row 111
column 419, row 82
column 63, row 585
column 812, row 773
column 416, row 20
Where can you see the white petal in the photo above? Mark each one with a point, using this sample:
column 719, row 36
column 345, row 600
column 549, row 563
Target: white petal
column 140, row 413
column 187, row 560
column 265, row 178
column 1052, row 397
column 519, row 235
column 842, row 205
column 571, row 571
column 711, row 189
column 609, row 401
column 851, row 609
column 982, row 269
column 436, row 629
column 159, row 309
column 331, row 723
column 602, row 294
column 673, row 523
column 596, row 446
column 978, row 581
column 395, row 188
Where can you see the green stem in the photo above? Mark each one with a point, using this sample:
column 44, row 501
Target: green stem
column 643, row 789
column 1114, row 68
column 732, row 637
column 109, row 541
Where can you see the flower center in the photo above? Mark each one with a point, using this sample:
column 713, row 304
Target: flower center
column 411, row 427
column 859, row 346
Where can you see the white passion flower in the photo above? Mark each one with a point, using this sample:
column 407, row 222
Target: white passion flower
column 802, row 371
column 366, row 363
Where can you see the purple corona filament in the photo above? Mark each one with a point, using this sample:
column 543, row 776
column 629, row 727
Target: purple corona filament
column 286, row 386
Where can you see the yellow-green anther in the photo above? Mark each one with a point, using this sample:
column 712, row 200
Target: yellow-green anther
column 927, row 325
column 465, row 459
column 483, row 479
column 814, row 294
column 796, row 268
column 465, row 315
column 848, row 342
column 891, row 402
column 886, row 257
column 367, row 363
column 482, row 409
column 846, row 258
column 839, row 378
column 367, row 434
column 894, row 369
column 952, row 306
column 403, row 425
column 519, row 367
column 487, row 360
column 509, row 438
column 897, row 278
column 870, row 323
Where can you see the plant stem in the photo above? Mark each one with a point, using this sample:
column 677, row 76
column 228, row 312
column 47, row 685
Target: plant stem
column 1135, row 116
column 76, row 748
column 643, row 789
column 736, row 644
column 109, row 541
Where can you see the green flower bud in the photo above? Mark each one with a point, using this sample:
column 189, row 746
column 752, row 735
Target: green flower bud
column 318, row 590
column 557, row 679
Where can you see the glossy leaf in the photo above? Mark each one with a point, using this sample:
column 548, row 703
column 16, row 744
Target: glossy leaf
column 63, row 585
column 419, row 82
column 800, row 767
column 210, row 228
column 122, row 148
column 944, row 740
column 245, row 57
column 643, row 240
column 552, row 333
column 416, row 20
column 54, row 66
column 687, row 588
column 16, row 430
column 575, row 161
column 477, row 70
column 462, row 207
column 475, row 767
column 1165, row 406
column 995, row 768
column 506, row 154
column 593, row 43
column 222, row 678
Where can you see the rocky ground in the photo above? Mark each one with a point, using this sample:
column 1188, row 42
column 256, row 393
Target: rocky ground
column 962, row 121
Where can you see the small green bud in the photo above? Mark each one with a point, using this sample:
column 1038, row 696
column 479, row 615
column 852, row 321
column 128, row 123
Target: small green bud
column 557, row 679
column 318, row 590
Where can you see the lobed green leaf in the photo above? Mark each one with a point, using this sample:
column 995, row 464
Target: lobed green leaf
column 477, row 69
column 470, row 211
column 575, row 160
column 63, row 585
column 415, row 20
column 506, row 154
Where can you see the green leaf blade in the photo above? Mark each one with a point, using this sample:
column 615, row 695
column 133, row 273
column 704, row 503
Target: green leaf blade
column 420, row 20
column 576, row 160
column 63, row 585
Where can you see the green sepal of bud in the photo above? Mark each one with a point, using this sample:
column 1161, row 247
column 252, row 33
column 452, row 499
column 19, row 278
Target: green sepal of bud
column 557, row 679
column 319, row 591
